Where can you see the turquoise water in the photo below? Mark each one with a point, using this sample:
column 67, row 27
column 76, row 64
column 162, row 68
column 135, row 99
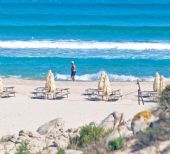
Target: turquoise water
column 129, row 39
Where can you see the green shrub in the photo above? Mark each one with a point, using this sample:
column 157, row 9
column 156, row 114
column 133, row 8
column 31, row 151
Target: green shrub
column 165, row 99
column 116, row 144
column 23, row 148
column 90, row 134
column 60, row 151
column 74, row 142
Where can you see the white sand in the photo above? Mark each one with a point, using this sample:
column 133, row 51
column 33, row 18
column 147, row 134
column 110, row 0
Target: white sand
column 22, row 112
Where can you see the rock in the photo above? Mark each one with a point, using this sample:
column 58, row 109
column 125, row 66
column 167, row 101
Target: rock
column 55, row 134
column 142, row 120
column 70, row 151
column 165, row 115
column 148, row 150
column 50, row 150
column 7, row 148
column 9, row 138
column 112, row 121
column 93, row 123
column 121, row 131
column 73, row 132
column 45, row 128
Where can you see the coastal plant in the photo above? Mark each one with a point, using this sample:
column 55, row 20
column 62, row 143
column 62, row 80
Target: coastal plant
column 61, row 151
column 165, row 98
column 23, row 148
column 116, row 144
column 74, row 142
column 90, row 133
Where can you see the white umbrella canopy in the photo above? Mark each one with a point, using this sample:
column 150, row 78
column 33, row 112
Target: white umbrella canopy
column 50, row 82
column 156, row 83
column 1, row 86
column 107, row 87
column 162, row 83
column 101, row 81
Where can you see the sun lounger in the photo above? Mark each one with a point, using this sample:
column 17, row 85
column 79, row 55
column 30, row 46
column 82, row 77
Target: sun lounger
column 61, row 93
column 8, row 92
column 115, row 95
column 150, row 96
column 90, row 91
column 95, row 94
column 41, row 93
column 40, row 89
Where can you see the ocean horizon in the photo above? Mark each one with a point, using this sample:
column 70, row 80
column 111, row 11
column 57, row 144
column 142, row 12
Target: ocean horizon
column 128, row 39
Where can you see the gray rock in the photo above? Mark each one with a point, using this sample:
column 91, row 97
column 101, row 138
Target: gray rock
column 50, row 150
column 70, row 151
column 148, row 150
column 165, row 115
column 45, row 128
column 112, row 121
column 55, row 134
column 142, row 120
column 121, row 131
column 8, row 138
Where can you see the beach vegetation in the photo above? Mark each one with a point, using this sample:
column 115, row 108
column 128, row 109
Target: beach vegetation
column 165, row 98
column 116, row 144
column 23, row 148
column 61, row 151
column 89, row 134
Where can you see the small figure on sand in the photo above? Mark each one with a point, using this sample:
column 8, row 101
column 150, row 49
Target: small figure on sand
column 73, row 70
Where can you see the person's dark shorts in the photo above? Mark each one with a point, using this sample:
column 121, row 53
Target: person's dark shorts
column 73, row 74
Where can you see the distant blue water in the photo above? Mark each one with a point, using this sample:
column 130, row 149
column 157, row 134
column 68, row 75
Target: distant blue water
column 129, row 39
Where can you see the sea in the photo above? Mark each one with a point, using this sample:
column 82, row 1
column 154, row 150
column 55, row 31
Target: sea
column 129, row 39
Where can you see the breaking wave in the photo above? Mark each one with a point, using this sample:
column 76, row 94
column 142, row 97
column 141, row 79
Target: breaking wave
column 94, row 77
column 90, row 45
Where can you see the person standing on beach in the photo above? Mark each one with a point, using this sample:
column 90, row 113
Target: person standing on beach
column 73, row 70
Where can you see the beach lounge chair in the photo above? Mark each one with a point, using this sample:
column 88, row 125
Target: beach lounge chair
column 95, row 94
column 7, row 92
column 61, row 93
column 115, row 95
column 147, row 96
column 104, row 90
column 42, row 93
column 150, row 96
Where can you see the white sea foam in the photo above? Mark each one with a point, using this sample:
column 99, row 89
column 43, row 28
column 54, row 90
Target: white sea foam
column 85, row 45
column 94, row 77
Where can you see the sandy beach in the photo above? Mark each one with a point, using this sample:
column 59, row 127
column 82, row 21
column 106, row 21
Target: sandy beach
column 23, row 112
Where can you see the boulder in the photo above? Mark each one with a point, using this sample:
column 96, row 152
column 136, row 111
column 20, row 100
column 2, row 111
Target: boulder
column 121, row 131
column 73, row 132
column 55, row 134
column 148, row 150
column 50, row 150
column 8, row 138
column 45, row 128
column 165, row 115
column 112, row 121
column 142, row 120
column 70, row 151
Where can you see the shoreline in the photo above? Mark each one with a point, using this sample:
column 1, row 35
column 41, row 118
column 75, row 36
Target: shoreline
column 23, row 112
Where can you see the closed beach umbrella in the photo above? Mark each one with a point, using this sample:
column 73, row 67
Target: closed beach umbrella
column 162, row 83
column 156, row 83
column 1, row 86
column 101, row 81
column 50, row 82
column 107, row 87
